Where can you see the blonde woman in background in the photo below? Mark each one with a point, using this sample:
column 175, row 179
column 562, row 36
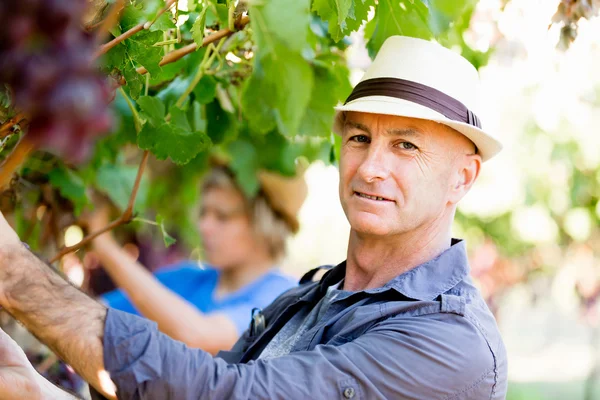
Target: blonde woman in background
column 209, row 306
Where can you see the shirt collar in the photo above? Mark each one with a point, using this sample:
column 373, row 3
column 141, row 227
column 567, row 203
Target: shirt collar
column 424, row 282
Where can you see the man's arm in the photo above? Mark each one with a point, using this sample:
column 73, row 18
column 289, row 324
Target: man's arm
column 58, row 314
column 400, row 358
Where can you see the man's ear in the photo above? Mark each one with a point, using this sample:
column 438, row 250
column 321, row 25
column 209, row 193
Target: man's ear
column 468, row 168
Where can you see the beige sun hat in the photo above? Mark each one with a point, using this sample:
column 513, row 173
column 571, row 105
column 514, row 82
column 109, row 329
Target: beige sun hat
column 285, row 194
column 421, row 79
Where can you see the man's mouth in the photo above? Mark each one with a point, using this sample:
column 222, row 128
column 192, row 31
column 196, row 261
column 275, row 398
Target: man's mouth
column 371, row 197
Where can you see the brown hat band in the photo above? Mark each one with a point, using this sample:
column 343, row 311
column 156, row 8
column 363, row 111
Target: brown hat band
column 416, row 93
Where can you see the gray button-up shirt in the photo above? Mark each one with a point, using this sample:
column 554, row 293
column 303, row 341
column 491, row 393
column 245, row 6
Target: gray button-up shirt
column 426, row 334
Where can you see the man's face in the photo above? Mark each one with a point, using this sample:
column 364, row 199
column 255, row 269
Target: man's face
column 399, row 174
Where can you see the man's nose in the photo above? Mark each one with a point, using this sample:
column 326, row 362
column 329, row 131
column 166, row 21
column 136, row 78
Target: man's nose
column 374, row 166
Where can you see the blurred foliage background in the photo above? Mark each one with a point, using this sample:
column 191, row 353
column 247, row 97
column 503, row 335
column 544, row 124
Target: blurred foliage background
column 263, row 97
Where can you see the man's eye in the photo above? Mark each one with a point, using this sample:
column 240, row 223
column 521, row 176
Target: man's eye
column 408, row 146
column 360, row 138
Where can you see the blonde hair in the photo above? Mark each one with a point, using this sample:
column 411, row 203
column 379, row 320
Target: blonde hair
column 267, row 224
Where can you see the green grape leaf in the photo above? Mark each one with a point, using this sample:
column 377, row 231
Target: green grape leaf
column 141, row 49
column 217, row 14
column 153, row 109
column 168, row 72
column 451, row 8
column 206, row 89
column 244, row 164
column 444, row 14
column 115, row 57
column 168, row 239
column 336, row 146
column 343, row 16
column 179, row 118
column 70, row 186
column 221, row 125
column 197, row 30
column 272, row 31
column 117, row 182
column 423, row 19
column 393, row 17
column 135, row 82
column 273, row 153
column 118, row 58
column 131, row 16
column 174, row 90
column 331, row 86
column 171, row 141
column 196, row 118
column 192, row 4
column 277, row 93
column 163, row 23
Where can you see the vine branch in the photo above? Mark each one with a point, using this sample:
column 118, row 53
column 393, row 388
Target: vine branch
column 14, row 159
column 125, row 218
column 111, row 20
column 190, row 48
column 6, row 127
column 125, row 35
column 138, row 28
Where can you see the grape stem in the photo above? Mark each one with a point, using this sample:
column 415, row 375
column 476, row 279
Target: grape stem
column 138, row 28
column 146, row 221
column 166, row 42
column 204, row 65
column 125, row 218
column 14, row 160
column 190, row 48
column 137, row 121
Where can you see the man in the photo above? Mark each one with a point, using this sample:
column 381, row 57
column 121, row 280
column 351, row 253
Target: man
column 399, row 319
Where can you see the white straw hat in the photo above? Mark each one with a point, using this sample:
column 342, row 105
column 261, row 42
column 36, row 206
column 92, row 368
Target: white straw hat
column 421, row 79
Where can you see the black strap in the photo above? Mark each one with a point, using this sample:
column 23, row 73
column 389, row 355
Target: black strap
column 308, row 277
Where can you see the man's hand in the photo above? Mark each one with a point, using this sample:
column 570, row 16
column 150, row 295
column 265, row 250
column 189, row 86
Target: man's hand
column 8, row 237
column 10, row 245
column 18, row 378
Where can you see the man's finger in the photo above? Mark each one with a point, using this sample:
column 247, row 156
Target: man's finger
column 11, row 353
column 7, row 234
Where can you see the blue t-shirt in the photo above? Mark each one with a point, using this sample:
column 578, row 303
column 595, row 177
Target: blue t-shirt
column 197, row 285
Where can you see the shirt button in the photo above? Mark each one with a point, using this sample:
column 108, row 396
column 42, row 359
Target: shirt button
column 349, row 393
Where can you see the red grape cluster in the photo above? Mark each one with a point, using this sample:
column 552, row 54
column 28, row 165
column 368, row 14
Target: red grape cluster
column 46, row 58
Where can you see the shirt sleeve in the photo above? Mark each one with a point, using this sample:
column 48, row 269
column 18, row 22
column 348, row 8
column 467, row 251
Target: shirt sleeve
column 413, row 358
